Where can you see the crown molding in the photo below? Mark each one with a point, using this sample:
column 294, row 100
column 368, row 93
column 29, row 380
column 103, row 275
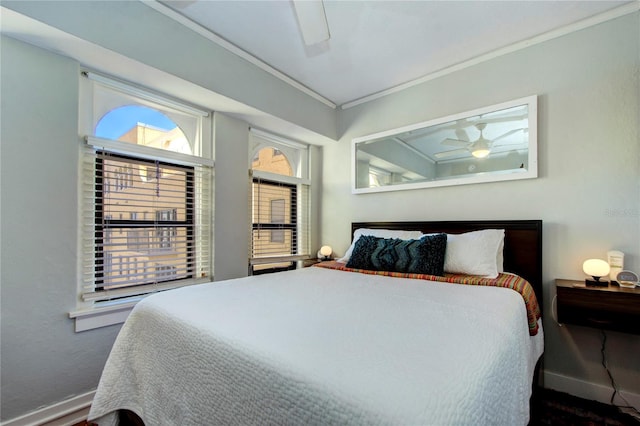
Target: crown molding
column 550, row 35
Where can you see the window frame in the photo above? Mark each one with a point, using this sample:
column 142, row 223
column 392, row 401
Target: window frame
column 292, row 225
column 163, row 228
column 94, row 312
column 298, row 157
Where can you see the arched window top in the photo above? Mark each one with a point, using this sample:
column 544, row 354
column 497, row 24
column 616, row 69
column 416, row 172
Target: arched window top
column 142, row 125
column 270, row 159
column 276, row 155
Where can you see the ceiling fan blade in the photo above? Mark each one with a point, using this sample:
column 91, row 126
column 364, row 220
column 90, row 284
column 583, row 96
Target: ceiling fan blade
column 506, row 145
column 455, row 142
column 509, row 133
column 506, row 119
column 451, row 153
column 462, row 134
column 312, row 21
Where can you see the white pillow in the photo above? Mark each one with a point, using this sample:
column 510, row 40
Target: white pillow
column 475, row 253
column 380, row 233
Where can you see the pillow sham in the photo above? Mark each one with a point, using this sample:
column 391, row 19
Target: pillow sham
column 421, row 256
column 381, row 233
column 475, row 253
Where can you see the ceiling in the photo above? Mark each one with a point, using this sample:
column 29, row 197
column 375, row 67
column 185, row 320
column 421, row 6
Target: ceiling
column 375, row 46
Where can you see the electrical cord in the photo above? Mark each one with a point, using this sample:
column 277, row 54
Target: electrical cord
column 611, row 379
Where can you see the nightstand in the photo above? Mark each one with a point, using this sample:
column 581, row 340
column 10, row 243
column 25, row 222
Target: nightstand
column 611, row 308
column 310, row 262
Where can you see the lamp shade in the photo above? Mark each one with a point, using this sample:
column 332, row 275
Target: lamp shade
column 480, row 149
column 480, row 153
column 596, row 267
column 326, row 251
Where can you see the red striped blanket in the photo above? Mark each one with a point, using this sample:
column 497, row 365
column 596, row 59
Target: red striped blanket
column 511, row 281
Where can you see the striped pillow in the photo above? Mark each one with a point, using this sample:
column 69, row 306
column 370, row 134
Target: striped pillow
column 423, row 256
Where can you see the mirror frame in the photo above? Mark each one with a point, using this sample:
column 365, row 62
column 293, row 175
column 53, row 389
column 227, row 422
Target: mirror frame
column 497, row 176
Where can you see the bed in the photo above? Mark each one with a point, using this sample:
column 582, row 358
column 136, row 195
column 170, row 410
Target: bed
column 334, row 344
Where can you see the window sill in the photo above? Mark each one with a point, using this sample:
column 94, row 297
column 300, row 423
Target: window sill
column 104, row 313
column 96, row 317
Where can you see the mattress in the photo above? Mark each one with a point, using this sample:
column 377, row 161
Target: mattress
column 323, row 346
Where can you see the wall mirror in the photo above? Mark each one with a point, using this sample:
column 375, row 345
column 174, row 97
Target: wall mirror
column 494, row 143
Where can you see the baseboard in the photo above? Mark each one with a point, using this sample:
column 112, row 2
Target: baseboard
column 65, row 413
column 588, row 390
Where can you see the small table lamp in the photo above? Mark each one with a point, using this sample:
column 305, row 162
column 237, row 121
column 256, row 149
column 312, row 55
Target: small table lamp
column 596, row 268
column 325, row 253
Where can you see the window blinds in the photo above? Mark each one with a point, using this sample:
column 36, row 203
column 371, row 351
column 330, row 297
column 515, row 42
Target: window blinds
column 147, row 224
column 279, row 221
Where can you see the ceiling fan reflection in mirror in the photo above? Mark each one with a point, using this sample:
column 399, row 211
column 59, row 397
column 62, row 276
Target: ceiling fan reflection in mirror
column 480, row 148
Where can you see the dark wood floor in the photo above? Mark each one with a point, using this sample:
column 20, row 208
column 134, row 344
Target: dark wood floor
column 561, row 409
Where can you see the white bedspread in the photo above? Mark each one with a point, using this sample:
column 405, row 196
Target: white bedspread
column 319, row 346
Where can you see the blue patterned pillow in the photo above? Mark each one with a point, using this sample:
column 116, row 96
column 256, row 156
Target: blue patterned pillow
column 423, row 256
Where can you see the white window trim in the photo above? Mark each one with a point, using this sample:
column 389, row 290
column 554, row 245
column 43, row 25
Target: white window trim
column 90, row 315
column 277, row 139
column 147, row 152
column 298, row 155
column 108, row 313
column 144, row 93
column 96, row 317
column 279, row 178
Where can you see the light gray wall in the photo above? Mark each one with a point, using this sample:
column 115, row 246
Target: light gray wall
column 43, row 359
column 315, row 197
column 588, row 192
column 231, row 199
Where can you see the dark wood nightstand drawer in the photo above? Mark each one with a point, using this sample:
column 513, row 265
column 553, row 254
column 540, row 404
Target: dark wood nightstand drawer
column 611, row 308
column 310, row 262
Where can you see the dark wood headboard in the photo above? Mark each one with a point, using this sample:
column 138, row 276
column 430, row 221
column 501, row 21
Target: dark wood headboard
column 522, row 242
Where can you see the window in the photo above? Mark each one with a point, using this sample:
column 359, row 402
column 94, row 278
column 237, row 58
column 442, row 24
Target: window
column 155, row 226
column 278, row 214
column 378, row 177
column 147, row 195
column 274, row 230
column 279, row 204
